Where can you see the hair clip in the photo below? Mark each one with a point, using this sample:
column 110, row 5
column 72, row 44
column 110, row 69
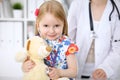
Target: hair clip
column 36, row 12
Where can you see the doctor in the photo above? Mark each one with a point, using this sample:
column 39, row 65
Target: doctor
column 95, row 27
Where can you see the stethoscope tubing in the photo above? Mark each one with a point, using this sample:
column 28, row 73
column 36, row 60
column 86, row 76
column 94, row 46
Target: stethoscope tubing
column 114, row 6
column 90, row 13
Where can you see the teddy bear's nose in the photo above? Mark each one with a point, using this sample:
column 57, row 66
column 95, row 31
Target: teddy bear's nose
column 48, row 48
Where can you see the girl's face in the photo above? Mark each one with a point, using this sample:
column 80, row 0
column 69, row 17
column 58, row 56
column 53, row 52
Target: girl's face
column 50, row 27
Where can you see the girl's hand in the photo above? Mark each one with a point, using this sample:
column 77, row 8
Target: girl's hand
column 99, row 74
column 54, row 73
column 28, row 65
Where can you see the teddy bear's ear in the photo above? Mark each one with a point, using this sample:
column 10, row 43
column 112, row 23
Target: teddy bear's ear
column 28, row 44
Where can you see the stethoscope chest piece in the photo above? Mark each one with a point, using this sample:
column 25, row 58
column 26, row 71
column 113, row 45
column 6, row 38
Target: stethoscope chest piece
column 93, row 35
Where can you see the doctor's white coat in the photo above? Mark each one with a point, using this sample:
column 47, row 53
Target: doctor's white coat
column 107, row 43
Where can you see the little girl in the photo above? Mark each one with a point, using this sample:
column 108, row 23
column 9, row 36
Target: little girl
column 51, row 24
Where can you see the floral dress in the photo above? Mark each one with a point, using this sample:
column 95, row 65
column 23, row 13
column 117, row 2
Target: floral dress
column 61, row 48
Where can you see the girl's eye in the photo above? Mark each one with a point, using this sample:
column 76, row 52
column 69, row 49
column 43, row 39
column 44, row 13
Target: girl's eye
column 45, row 25
column 57, row 25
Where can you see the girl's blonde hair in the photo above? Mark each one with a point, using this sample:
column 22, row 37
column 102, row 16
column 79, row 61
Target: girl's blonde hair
column 55, row 8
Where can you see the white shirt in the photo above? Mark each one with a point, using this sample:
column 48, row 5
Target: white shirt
column 107, row 51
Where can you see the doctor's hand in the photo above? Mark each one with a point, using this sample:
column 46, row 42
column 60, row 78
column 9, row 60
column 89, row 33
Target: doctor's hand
column 27, row 65
column 99, row 74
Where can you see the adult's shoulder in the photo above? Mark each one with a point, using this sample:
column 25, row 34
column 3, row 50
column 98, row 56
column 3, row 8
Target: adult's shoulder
column 76, row 3
column 75, row 7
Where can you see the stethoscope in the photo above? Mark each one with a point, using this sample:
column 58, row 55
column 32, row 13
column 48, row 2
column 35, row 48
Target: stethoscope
column 114, row 6
column 93, row 34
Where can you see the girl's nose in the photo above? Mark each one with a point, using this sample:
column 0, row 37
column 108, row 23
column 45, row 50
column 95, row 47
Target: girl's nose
column 51, row 30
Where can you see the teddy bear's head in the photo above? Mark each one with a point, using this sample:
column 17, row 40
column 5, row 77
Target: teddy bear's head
column 37, row 48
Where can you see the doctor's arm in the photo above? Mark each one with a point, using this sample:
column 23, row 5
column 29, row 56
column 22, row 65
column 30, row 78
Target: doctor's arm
column 111, row 64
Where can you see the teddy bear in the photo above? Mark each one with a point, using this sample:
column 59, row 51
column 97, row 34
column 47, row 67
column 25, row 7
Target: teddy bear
column 36, row 49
